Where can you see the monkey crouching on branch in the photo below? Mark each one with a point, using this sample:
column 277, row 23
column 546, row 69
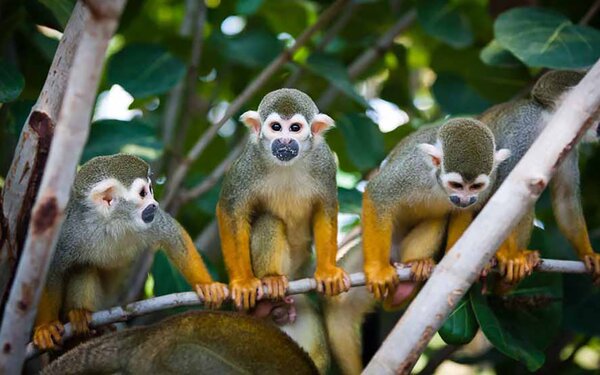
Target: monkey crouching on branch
column 111, row 218
column 516, row 125
column 277, row 198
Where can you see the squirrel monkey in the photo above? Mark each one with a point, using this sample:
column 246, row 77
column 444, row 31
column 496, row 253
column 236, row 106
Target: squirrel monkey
column 191, row 343
column 516, row 125
column 277, row 198
column 111, row 218
column 431, row 173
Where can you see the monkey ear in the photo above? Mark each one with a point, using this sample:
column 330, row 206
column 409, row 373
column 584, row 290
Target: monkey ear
column 104, row 192
column 321, row 123
column 501, row 155
column 434, row 153
column 252, row 120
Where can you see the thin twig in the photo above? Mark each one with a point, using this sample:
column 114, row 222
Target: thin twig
column 135, row 309
column 461, row 266
column 71, row 134
column 362, row 62
column 590, row 13
column 203, row 142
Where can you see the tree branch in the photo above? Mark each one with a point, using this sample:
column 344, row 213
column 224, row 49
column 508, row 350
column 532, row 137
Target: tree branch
column 25, row 173
column 362, row 62
column 461, row 266
column 100, row 19
column 203, row 142
column 135, row 309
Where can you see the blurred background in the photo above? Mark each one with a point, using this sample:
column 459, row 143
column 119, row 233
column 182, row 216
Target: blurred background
column 179, row 70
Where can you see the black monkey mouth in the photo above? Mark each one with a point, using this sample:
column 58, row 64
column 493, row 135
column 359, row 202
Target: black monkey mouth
column 283, row 151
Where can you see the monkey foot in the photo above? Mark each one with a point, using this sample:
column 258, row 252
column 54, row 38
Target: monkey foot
column 592, row 264
column 276, row 286
column 280, row 312
column 46, row 336
column 80, row 320
column 332, row 281
column 515, row 267
column 421, row 268
column 213, row 294
column 245, row 292
column 381, row 281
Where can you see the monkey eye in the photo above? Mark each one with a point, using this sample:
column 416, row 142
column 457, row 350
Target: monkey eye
column 276, row 126
column 295, row 127
column 455, row 185
column 477, row 186
column 143, row 193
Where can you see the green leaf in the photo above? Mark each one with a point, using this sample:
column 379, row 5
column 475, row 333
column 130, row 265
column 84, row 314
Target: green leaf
column 523, row 323
column 456, row 97
column 461, row 326
column 166, row 277
column 144, row 70
column 11, row 82
column 496, row 55
column 61, row 9
column 582, row 305
column 114, row 136
column 350, row 200
column 252, row 48
column 442, row 20
column 247, row 7
column 364, row 141
column 334, row 72
column 543, row 38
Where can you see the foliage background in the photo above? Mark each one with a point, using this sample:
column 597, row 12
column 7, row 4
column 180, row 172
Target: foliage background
column 457, row 57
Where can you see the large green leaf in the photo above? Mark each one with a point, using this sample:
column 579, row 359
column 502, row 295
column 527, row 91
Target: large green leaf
column 444, row 21
column 364, row 141
column 523, row 323
column 247, row 7
column 335, row 72
column 496, row 55
column 166, row 277
column 461, row 326
column 252, row 48
column 543, row 38
column 455, row 96
column 113, row 136
column 144, row 70
column 61, row 9
column 11, row 82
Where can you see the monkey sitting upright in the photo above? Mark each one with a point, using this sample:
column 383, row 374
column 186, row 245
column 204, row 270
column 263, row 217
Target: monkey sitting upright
column 430, row 174
column 111, row 218
column 277, row 197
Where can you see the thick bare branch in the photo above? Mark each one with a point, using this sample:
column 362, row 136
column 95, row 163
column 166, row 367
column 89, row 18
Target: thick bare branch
column 25, row 174
column 362, row 62
column 100, row 19
column 461, row 266
column 203, row 142
column 135, row 309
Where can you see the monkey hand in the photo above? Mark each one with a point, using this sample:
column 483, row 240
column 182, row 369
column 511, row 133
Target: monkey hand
column 516, row 266
column 46, row 336
column 276, row 286
column 332, row 281
column 245, row 292
column 421, row 268
column 80, row 320
column 381, row 281
column 213, row 294
column 592, row 264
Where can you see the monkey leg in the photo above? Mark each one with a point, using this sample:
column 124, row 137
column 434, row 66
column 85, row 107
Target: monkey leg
column 381, row 277
column 566, row 205
column 48, row 328
column 84, row 293
column 420, row 246
column 515, row 262
column 308, row 331
column 270, row 252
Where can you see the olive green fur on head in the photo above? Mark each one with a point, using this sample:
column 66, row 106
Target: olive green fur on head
column 549, row 88
column 287, row 103
column 468, row 147
column 122, row 167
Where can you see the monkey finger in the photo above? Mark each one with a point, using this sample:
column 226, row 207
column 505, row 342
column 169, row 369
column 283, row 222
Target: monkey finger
column 377, row 292
column 509, row 271
column 596, row 265
column 341, row 285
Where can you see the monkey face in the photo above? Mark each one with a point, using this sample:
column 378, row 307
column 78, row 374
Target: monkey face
column 463, row 193
column 125, row 205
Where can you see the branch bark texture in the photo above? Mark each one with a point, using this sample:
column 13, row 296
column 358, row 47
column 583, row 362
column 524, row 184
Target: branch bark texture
column 461, row 266
column 100, row 20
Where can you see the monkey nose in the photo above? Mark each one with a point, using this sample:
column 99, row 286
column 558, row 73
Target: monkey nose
column 455, row 199
column 149, row 212
column 283, row 151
